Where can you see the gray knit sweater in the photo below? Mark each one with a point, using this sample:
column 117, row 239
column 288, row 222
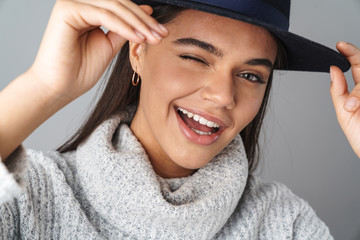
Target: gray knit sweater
column 107, row 189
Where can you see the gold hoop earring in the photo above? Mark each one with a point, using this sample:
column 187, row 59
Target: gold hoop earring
column 135, row 83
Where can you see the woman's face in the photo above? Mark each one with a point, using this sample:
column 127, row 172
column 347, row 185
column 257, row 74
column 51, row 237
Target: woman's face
column 200, row 87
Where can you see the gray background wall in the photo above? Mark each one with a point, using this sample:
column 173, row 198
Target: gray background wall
column 303, row 145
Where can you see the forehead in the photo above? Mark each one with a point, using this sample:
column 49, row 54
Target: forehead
column 228, row 34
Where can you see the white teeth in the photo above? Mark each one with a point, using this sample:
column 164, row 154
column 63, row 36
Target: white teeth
column 199, row 119
column 201, row 133
column 210, row 124
column 203, row 121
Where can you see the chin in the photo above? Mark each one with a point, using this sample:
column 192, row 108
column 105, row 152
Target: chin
column 191, row 162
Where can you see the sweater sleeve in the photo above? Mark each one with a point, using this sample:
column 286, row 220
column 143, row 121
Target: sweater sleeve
column 294, row 216
column 307, row 225
column 33, row 195
column 12, row 172
column 271, row 211
column 12, row 184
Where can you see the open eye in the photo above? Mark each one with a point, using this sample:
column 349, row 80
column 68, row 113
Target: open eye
column 252, row 77
column 189, row 57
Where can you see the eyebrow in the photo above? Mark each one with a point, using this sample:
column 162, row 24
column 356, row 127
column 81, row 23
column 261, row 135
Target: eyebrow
column 200, row 44
column 214, row 50
column 261, row 61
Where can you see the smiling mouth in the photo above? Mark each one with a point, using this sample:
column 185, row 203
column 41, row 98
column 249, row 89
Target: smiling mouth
column 198, row 124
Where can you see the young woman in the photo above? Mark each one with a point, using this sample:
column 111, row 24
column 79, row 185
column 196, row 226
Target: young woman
column 169, row 150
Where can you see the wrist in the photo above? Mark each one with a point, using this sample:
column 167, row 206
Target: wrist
column 50, row 97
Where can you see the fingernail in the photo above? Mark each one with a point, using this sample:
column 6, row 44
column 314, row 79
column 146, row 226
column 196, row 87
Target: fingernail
column 139, row 34
column 156, row 34
column 351, row 103
column 163, row 28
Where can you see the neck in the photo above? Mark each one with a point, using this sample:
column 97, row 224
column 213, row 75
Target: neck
column 160, row 161
column 166, row 168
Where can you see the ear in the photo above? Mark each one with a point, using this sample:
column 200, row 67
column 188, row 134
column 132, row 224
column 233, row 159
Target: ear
column 135, row 53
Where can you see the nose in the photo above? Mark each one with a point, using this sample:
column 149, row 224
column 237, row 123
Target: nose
column 220, row 90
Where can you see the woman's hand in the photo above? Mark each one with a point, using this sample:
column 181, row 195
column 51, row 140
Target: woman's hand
column 73, row 55
column 347, row 104
column 75, row 52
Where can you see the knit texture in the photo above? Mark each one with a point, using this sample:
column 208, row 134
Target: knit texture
column 107, row 189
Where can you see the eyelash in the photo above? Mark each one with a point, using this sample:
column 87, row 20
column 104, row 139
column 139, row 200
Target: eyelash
column 250, row 76
column 187, row 57
column 247, row 76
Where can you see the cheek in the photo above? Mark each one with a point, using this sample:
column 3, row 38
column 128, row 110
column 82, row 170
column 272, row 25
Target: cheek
column 163, row 78
column 248, row 104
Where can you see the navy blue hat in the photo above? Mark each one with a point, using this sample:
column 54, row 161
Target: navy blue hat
column 273, row 15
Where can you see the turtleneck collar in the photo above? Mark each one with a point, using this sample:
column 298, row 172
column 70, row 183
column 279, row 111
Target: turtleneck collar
column 119, row 182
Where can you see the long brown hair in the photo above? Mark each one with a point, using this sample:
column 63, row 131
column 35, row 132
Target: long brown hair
column 119, row 93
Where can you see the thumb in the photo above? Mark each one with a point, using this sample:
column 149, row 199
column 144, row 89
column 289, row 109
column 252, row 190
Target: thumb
column 116, row 42
column 345, row 103
column 338, row 88
column 352, row 103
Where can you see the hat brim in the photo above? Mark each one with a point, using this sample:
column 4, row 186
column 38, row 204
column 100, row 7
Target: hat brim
column 302, row 54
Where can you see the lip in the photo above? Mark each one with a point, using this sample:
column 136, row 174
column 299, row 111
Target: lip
column 192, row 136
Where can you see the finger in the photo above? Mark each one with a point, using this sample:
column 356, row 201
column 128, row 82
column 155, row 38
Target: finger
column 338, row 89
column 352, row 54
column 130, row 12
column 352, row 102
column 342, row 100
column 147, row 9
column 144, row 11
column 141, row 15
column 135, row 17
column 85, row 16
